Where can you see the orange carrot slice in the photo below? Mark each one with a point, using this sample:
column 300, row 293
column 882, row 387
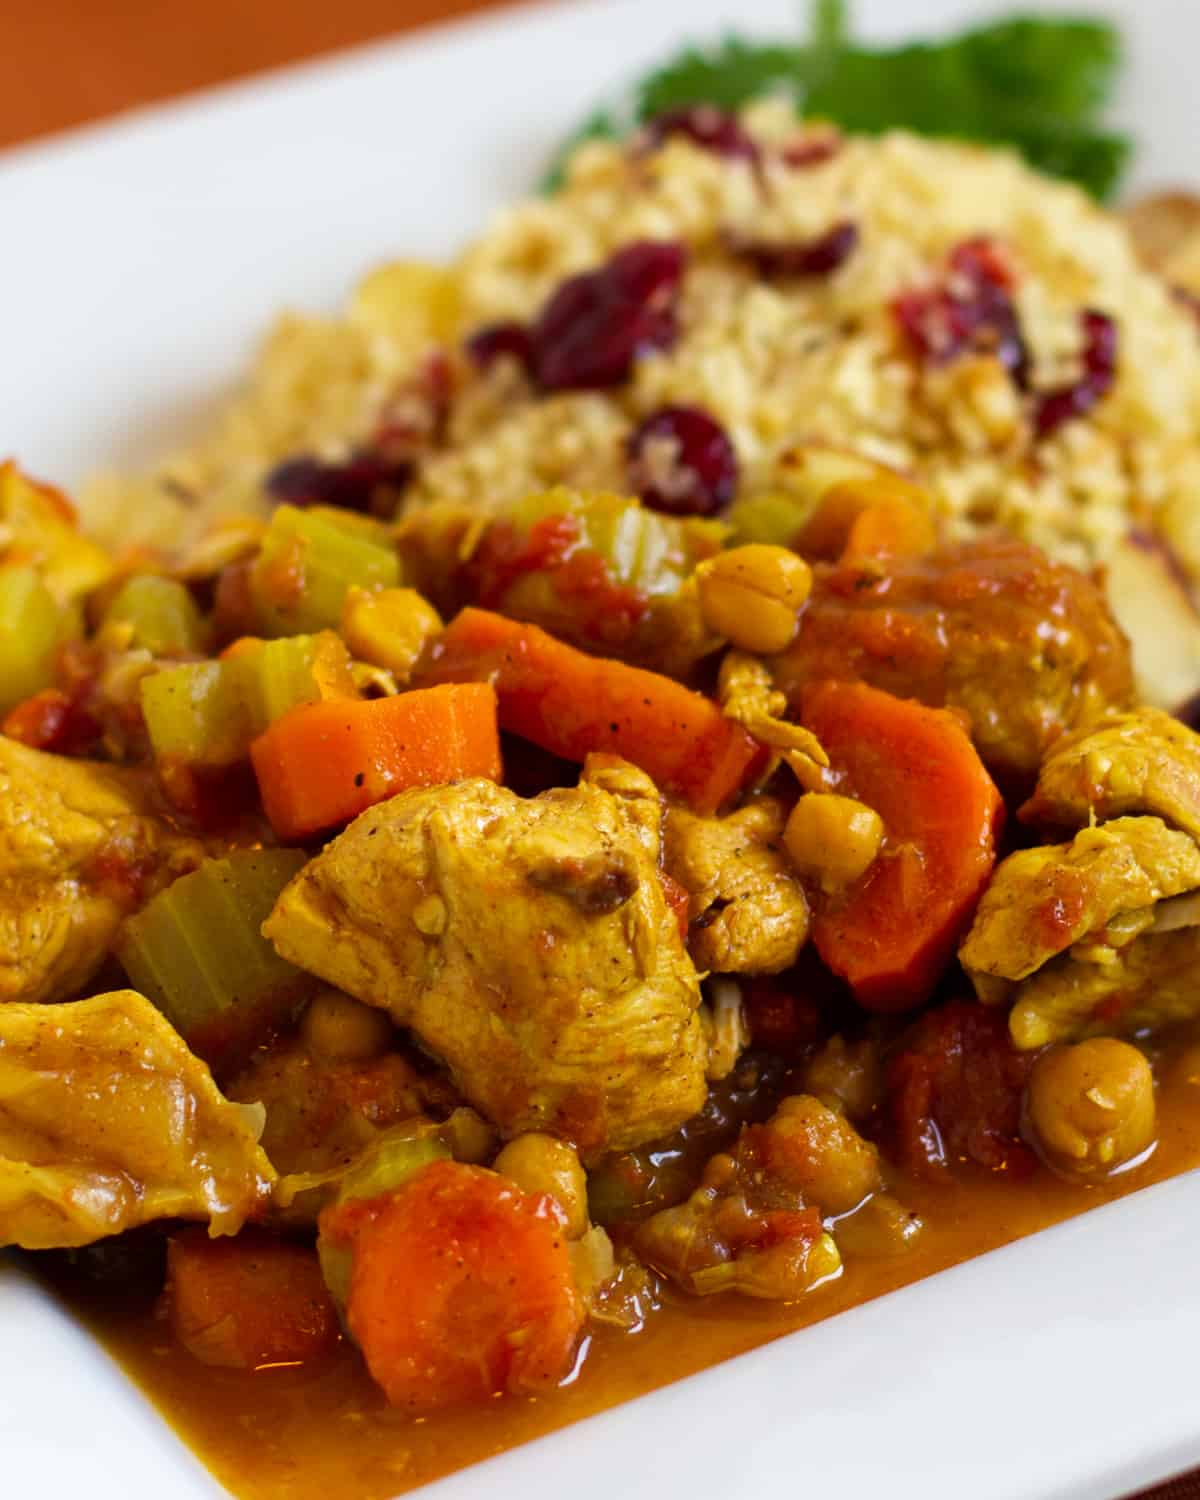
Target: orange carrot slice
column 321, row 764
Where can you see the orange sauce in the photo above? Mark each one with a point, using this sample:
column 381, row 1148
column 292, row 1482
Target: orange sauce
column 306, row 1434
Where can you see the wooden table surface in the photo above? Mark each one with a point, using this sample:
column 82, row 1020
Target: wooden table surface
column 66, row 62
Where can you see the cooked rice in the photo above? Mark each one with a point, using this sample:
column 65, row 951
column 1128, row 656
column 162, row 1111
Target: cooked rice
column 814, row 359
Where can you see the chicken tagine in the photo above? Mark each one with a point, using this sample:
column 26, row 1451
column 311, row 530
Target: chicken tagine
column 515, row 903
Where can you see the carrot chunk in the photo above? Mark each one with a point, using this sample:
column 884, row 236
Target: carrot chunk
column 248, row 1302
column 460, row 1287
column 894, row 932
column 321, row 764
column 572, row 704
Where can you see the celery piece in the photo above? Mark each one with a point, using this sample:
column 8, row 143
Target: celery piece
column 279, row 675
column 194, row 713
column 161, row 611
column 306, row 566
column 649, row 553
column 197, row 952
column 30, row 627
column 206, row 713
column 391, row 1160
column 370, row 528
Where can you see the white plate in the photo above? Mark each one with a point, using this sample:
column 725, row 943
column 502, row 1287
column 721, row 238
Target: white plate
column 138, row 261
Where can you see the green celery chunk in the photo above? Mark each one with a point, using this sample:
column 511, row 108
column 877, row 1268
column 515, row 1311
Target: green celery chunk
column 279, row 675
column 395, row 1157
column 206, row 713
column 306, row 566
column 196, row 951
column 30, row 629
column 195, row 713
column 651, row 554
column 162, row 612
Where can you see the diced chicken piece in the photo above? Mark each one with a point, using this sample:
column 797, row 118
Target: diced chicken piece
column 107, row 1121
column 1025, row 647
column 1103, row 885
column 79, row 849
column 1143, row 761
column 527, row 943
column 748, row 911
column 1153, row 982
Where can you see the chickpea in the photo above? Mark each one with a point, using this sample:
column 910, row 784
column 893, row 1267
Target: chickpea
column 832, row 839
column 342, row 1029
column 389, row 628
column 751, row 595
column 809, row 1146
column 468, row 1135
column 1091, row 1105
column 543, row 1164
column 845, row 1076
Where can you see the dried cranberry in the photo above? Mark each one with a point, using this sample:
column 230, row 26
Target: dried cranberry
column 817, row 257
column 971, row 311
column 489, row 344
column 365, row 482
column 1099, row 371
column 597, row 323
column 705, row 126
column 682, row 463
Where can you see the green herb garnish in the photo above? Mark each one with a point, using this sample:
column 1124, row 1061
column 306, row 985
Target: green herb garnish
column 1038, row 83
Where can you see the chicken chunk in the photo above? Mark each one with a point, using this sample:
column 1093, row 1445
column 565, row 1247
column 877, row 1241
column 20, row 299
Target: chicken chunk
column 528, row 943
column 748, row 910
column 1026, row 647
column 1143, row 761
column 79, row 849
column 1103, row 885
column 1153, row 982
column 107, row 1121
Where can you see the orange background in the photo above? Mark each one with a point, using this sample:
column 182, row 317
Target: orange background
column 64, row 62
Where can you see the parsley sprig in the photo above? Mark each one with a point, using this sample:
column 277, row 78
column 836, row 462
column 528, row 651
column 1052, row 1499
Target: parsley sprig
column 1039, row 83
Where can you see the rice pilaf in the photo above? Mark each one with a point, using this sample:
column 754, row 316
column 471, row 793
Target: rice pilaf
column 780, row 361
